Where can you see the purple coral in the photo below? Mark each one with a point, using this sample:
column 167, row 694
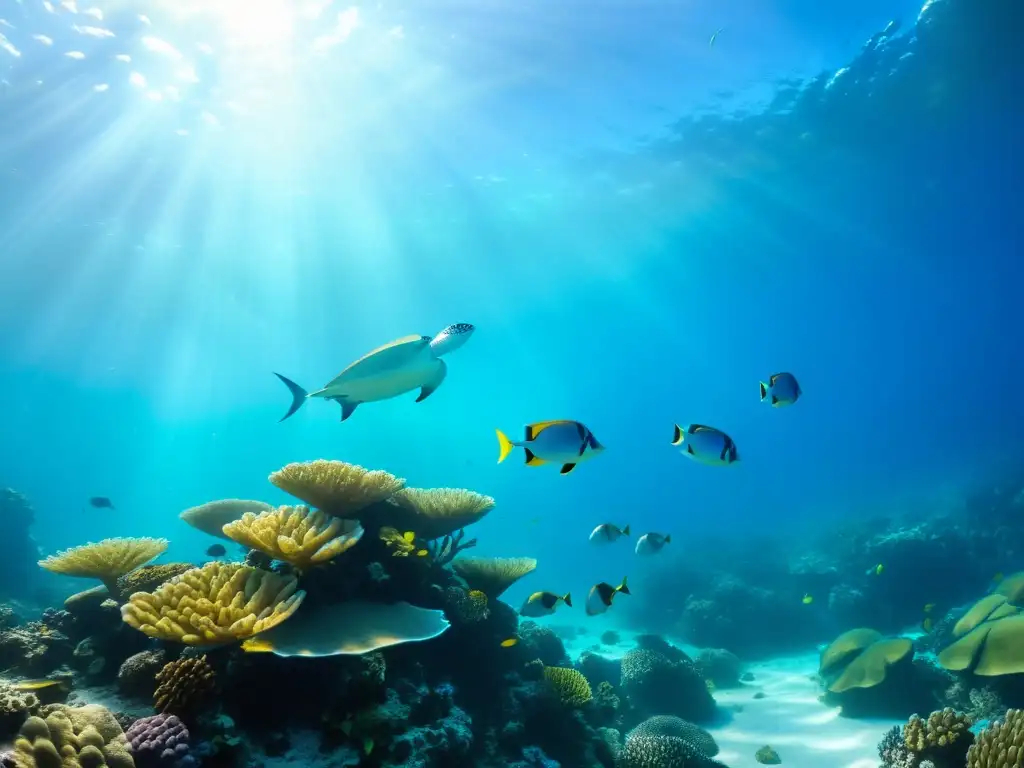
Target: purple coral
column 160, row 741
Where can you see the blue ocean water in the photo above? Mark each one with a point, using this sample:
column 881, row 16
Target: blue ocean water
column 641, row 225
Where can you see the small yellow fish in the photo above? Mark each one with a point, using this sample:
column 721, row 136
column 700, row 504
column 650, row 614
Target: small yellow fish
column 807, row 600
column 510, row 642
column 367, row 745
column 929, row 607
column 422, row 553
column 927, row 624
column 878, row 569
column 37, row 685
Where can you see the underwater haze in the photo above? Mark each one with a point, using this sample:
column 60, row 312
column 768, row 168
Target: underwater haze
column 645, row 209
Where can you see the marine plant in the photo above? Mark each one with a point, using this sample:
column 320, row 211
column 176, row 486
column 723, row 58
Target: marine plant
column 106, row 560
column 493, row 575
column 296, row 535
column 336, row 487
column 217, row 603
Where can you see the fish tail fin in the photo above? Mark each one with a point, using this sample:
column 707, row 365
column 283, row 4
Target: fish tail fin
column 623, row 588
column 567, row 599
column 677, row 435
column 764, row 391
column 505, row 446
column 668, row 538
column 625, row 531
column 298, row 395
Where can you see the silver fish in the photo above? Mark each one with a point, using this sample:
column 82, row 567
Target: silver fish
column 652, row 543
column 606, row 533
column 601, row 595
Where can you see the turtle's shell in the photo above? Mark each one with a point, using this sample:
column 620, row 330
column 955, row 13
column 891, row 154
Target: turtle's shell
column 388, row 358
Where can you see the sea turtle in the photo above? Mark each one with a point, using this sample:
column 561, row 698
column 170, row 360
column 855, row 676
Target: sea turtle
column 398, row 367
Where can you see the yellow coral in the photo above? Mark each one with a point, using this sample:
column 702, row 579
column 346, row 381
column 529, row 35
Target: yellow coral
column 438, row 512
column 182, row 684
column 218, row 603
column 336, row 487
column 106, row 560
column 1001, row 745
column 296, row 535
column 569, row 685
column 73, row 737
column 493, row 575
column 941, row 729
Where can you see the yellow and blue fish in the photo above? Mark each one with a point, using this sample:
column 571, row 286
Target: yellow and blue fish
column 781, row 390
column 705, row 444
column 543, row 604
column 562, row 442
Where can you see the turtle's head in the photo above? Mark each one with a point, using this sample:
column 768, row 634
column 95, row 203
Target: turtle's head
column 451, row 338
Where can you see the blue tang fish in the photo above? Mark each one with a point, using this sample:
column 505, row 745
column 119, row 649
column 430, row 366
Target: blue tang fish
column 562, row 442
column 782, row 389
column 705, row 444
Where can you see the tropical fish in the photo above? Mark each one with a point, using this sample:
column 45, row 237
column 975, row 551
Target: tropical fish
column 782, row 389
column 705, row 444
column 652, row 543
column 400, row 366
column 510, row 642
column 601, row 595
column 101, row 502
column 714, row 37
column 927, row 624
column 875, row 570
column 807, row 599
column 606, row 533
column 543, row 604
column 216, row 550
column 563, row 442
column 929, row 607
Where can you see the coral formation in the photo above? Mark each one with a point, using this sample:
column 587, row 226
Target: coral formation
column 106, row 560
column 720, row 666
column 669, row 725
column 662, row 752
column 183, row 684
column 664, row 681
column 295, row 535
column 160, row 741
column 767, row 756
column 1001, row 745
column 218, row 603
column 212, row 516
column 571, row 688
column 436, row 512
column 493, row 575
column 147, row 578
column 137, row 674
column 15, row 706
column 72, row 737
column 336, row 487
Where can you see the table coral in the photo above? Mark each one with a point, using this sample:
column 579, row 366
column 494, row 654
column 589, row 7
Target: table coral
column 493, row 575
column 106, row 560
column 336, row 487
column 436, row 512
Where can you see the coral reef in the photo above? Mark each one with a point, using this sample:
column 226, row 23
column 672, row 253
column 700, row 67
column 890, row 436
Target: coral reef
column 493, row 575
column 70, row 737
column 721, row 667
column 107, row 560
column 662, row 680
column 1001, row 745
column 335, row 487
column 296, row 535
column 182, row 685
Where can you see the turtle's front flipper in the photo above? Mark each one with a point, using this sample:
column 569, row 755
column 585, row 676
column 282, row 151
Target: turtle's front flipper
column 429, row 387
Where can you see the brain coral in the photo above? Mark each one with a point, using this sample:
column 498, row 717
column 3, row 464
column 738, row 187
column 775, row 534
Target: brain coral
column 666, row 682
column 669, row 725
column 662, row 752
column 73, row 737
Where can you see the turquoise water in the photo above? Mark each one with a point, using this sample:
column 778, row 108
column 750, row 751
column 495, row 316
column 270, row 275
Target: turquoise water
column 641, row 226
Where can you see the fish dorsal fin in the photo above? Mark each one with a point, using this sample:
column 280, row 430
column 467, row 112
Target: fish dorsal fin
column 533, row 430
column 566, row 469
column 532, row 460
column 773, row 378
column 695, row 428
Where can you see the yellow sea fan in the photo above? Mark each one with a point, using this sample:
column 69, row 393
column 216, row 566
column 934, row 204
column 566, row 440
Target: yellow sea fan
column 493, row 575
column 105, row 560
column 437, row 512
column 569, row 685
column 218, row 603
column 336, row 487
column 296, row 535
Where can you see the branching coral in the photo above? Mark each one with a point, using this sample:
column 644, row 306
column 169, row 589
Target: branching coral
column 335, row 487
column 438, row 512
column 941, row 730
column 571, row 687
column 296, row 535
column 107, row 560
column 214, row 515
column 81, row 737
column 218, row 603
column 183, row 684
column 493, row 575
column 443, row 551
column 1001, row 745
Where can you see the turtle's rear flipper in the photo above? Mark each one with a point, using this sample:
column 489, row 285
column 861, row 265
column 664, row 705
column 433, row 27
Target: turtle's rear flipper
column 347, row 408
column 428, row 389
column 298, row 395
